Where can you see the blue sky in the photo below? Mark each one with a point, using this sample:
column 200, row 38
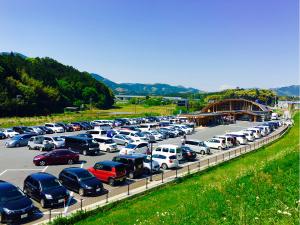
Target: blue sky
column 206, row 44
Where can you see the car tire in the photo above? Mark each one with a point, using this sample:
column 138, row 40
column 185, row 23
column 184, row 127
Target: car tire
column 17, row 145
column 147, row 171
column 70, row 162
column 42, row 163
column 108, row 150
column 164, row 166
column 202, row 152
column 29, row 148
column 111, row 182
column 131, row 175
column 81, row 192
column 125, row 143
column 220, row 148
column 41, row 149
column 84, row 152
column 43, row 203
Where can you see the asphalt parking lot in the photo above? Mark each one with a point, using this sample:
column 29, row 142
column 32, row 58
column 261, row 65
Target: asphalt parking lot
column 16, row 163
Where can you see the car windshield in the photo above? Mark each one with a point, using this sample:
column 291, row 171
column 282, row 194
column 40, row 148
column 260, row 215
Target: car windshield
column 140, row 134
column 131, row 146
column 16, row 137
column 84, row 175
column 58, row 139
column 9, row 130
column 50, row 184
column 109, row 141
column 10, row 195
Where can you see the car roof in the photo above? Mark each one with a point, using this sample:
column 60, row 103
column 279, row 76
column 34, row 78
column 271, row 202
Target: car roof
column 79, row 137
column 5, row 185
column 168, row 146
column 74, row 170
column 42, row 176
column 129, row 156
column 110, row 163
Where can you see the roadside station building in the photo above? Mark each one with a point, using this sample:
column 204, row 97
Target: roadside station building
column 230, row 110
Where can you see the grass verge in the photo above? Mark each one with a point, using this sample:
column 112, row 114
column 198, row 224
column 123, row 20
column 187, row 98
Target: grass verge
column 88, row 115
column 258, row 188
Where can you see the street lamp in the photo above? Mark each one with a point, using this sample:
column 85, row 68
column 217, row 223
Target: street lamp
column 151, row 141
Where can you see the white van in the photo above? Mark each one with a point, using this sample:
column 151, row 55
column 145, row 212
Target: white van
column 274, row 116
column 106, row 144
column 103, row 126
column 148, row 126
column 168, row 150
column 249, row 134
column 97, row 133
column 228, row 140
column 256, row 131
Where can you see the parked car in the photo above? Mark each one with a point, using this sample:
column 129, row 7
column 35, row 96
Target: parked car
column 106, row 144
column 240, row 137
column 82, row 145
column 2, row 135
column 36, row 130
column 46, row 130
column 21, row 130
column 216, row 143
column 15, row 206
column 60, row 156
column 85, row 135
column 248, row 134
column 97, row 133
column 58, row 141
column 256, row 131
column 228, row 140
column 147, row 164
column 134, row 135
column 198, row 146
column 109, row 172
column 9, row 133
column 122, row 139
column 134, row 164
column 46, row 189
column 168, row 149
column 135, row 147
column 55, row 127
column 75, row 126
column 81, row 181
column 19, row 140
column 188, row 154
column 39, row 143
column 166, row 161
column 67, row 127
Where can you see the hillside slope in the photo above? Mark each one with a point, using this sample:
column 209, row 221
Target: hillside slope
column 292, row 90
column 144, row 89
column 36, row 86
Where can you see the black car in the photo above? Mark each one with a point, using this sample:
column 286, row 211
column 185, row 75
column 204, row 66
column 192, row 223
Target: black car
column 46, row 129
column 81, row 181
column 21, row 130
column 46, row 189
column 82, row 145
column 87, row 124
column 2, row 135
column 188, row 154
column 15, row 206
column 67, row 128
column 134, row 164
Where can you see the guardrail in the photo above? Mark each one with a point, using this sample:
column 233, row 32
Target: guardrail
column 142, row 185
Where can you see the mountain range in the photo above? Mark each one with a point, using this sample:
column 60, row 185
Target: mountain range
column 144, row 89
column 292, row 90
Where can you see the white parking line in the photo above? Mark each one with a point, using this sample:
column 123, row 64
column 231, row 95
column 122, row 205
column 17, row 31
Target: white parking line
column 45, row 169
column 18, row 170
column 3, row 172
column 71, row 197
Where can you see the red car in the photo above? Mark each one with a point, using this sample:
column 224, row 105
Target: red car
column 61, row 156
column 109, row 171
column 75, row 127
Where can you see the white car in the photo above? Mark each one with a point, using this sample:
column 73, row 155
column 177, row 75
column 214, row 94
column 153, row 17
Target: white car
column 228, row 140
column 106, row 144
column 197, row 146
column 265, row 130
column 249, row 134
column 97, row 133
column 134, row 135
column 55, row 127
column 157, row 136
column 10, row 133
column 166, row 161
column 184, row 128
column 256, row 133
column 216, row 143
column 167, row 149
column 135, row 147
column 240, row 137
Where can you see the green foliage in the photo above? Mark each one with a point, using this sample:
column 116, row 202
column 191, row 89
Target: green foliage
column 37, row 86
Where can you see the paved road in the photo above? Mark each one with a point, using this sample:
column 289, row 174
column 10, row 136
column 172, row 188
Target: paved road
column 16, row 163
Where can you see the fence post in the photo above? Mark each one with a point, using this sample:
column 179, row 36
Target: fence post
column 107, row 196
column 146, row 183
column 223, row 157
column 216, row 159
column 49, row 215
column 229, row 154
column 128, row 189
column 176, row 171
column 208, row 162
column 199, row 166
column 162, row 177
column 235, row 152
column 81, row 204
column 188, row 169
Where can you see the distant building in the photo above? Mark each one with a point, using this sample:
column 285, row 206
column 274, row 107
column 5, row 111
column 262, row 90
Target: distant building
column 288, row 104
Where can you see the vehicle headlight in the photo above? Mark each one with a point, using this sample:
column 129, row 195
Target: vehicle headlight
column 7, row 211
column 48, row 196
column 87, row 187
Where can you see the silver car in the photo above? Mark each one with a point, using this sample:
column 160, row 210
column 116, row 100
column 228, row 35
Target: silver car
column 122, row 139
column 58, row 142
column 197, row 146
column 39, row 143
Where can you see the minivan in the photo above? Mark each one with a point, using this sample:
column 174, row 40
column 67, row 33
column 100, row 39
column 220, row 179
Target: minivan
column 169, row 150
column 82, row 145
column 198, row 146
column 81, row 181
column 106, row 144
column 134, row 164
column 46, row 189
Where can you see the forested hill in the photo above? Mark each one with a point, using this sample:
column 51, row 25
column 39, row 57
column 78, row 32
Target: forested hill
column 37, row 86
